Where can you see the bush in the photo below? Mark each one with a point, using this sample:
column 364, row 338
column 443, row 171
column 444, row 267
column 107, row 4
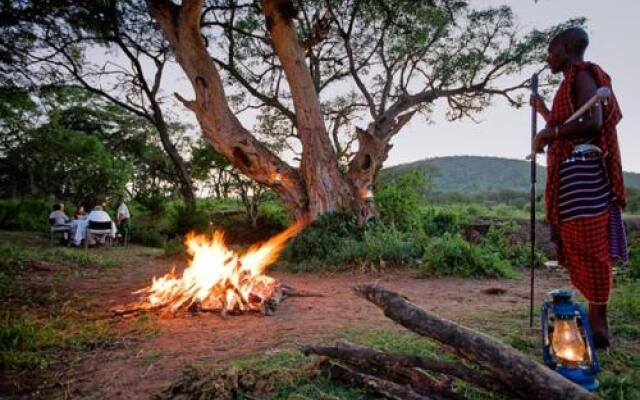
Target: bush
column 191, row 219
column 452, row 255
column 25, row 214
column 174, row 247
column 503, row 240
column 153, row 227
column 437, row 222
column 378, row 246
column 383, row 243
column 275, row 212
column 399, row 200
column 322, row 238
column 335, row 240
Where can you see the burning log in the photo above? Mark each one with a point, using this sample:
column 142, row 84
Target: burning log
column 513, row 369
column 265, row 306
column 220, row 280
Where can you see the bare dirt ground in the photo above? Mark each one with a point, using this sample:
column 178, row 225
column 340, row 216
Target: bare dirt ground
column 141, row 364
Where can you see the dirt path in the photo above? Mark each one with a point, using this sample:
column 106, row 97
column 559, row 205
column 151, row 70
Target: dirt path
column 142, row 366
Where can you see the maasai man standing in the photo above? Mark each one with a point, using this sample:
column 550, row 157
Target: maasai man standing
column 585, row 192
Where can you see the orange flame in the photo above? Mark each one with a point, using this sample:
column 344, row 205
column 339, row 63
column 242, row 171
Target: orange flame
column 219, row 278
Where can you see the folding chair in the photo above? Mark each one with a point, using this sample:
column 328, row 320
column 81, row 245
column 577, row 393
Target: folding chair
column 54, row 230
column 97, row 230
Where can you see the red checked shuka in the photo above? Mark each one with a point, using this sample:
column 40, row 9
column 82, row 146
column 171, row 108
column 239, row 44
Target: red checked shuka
column 585, row 194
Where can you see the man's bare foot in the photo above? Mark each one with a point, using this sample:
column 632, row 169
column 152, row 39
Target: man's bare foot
column 599, row 325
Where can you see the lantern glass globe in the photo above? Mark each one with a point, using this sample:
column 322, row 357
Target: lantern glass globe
column 567, row 342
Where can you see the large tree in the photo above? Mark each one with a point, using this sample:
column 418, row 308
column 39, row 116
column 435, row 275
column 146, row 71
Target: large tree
column 399, row 57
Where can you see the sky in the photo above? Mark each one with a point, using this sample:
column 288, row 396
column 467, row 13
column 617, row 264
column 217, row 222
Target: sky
column 504, row 131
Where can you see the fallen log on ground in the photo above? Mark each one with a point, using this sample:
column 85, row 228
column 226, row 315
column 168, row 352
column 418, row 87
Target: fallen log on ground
column 355, row 354
column 382, row 387
column 529, row 379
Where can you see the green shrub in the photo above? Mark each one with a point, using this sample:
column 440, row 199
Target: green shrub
column 322, row 238
column 452, row 255
column 275, row 212
column 502, row 239
column 174, row 247
column 391, row 245
column 337, row 241
column 25, row 214
column 146, row 235
column 437, row 222
column 191, row 219
column 399, row 200
column 378, row 245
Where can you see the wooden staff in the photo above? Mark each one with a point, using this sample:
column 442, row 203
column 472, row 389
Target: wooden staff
column 534, row 130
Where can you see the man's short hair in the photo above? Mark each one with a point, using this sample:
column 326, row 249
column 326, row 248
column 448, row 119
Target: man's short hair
column 57, row 207
column 576, row 40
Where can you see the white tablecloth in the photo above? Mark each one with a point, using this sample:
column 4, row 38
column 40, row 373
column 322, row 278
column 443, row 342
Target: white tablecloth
column 79, row 230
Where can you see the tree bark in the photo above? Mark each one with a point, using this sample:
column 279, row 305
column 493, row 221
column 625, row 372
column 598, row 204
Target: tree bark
column 327, row 190
column 180, row 25
column 527, row 378
column 373, row 150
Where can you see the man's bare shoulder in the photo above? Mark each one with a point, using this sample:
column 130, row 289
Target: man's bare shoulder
column 584, row 78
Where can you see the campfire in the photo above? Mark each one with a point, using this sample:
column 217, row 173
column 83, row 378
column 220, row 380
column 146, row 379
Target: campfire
column 218, row 279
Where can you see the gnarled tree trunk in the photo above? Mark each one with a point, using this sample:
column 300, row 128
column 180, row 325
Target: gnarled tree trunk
column 318, row 186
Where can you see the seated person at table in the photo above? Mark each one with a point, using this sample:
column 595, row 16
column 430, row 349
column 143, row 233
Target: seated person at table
column 60, row 221
column 80, row 213
column 57, row 216
column 98, row 219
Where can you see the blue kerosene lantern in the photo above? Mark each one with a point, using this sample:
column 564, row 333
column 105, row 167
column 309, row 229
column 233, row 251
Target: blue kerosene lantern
column 567, row 343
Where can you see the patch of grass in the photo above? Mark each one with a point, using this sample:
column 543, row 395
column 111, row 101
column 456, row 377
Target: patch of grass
column 78, row 257
column 393, row 341
column 7, row 284
column 16, row 256
column 29, row 342
column 634, row 259
column 21, row 340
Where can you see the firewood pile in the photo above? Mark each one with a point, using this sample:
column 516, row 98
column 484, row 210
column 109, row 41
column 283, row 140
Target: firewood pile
column 266, row 305
column 484, row 362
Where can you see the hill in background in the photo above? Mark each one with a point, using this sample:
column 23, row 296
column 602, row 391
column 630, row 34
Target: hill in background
column 474, row 174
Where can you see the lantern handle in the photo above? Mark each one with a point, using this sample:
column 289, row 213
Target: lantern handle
column 546, row 342
column 586, row 325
